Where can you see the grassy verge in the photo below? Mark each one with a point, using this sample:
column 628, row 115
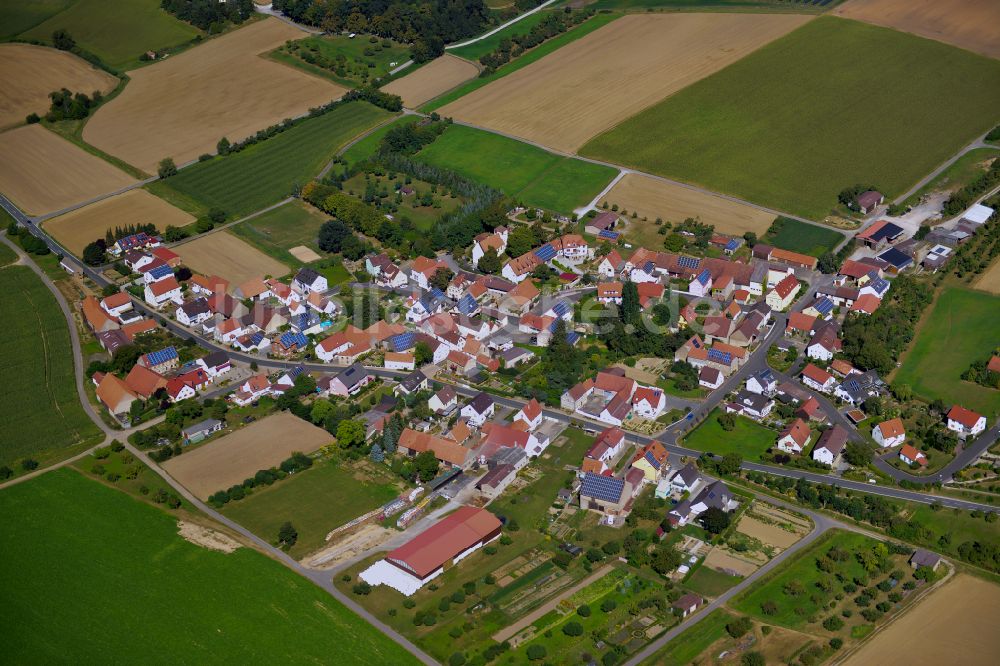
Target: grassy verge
column 683, row 649
column 748, row 438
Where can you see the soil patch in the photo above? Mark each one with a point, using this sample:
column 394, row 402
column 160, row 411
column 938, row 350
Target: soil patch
column 596, row 82
column 30, row 73
column 304, row 254
column 76, row 229
column 431, row 80
column 233, row 458
column 723, row 561
column 206, row 538
column 364, row 541
column 182, row 106
column 770, row 534
column 227, row 256
column 42, row 172
column 969, row 24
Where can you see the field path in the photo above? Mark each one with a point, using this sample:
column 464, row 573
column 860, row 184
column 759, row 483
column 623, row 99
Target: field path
column 979, row 142
column 500, row 27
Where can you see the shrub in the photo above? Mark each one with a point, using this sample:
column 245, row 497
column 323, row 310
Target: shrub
column 536, row 652
column 455, row 632
column 456, row 659
column 608, row 605
column 769, row 608
column 833, row 623
column 458, row 597
column 573, row 628
column 752, row 659
column 362, row 589
column 97, row 469
column 409, row 603
column 739, row 627
column 444, row 605
column 836, row 643
column 583, row 611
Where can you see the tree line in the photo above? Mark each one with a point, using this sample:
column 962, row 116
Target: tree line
column 966, row 196
column 511, row 47
column 210, row 15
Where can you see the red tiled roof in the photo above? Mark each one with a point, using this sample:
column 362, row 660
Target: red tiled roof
column 116, row 300
column 164, row 286
column 799, row 432
column 966, row 417
column 911, row 453
column 817, row 374
column 785, row 287
column 892, row 428
column 447, row 538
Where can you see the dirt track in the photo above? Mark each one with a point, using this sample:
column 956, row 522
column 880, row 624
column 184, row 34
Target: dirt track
column 431, row 80
column 182, row 106
column 42, row 172
column 74, row 230
column 227, row 256
column 969, row 24
column 598, row 81
column 29, row 73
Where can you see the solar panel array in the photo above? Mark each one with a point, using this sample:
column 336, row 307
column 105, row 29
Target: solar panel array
column 256, row 338
column 467, row 304
column 403, row 341
column 689, row 262
column 879, row 285
column 161, row 272
column 696, row 343
column 732, row 244
column 704, row 276
column 651, row 459
column 610, row 235
column 823, row 306
column 561, row 308
column 606, row 488
column 437, row 293
column 720, row 356
column 161, row 356
column 572, row 337
column 545, row 252
column 288, row 339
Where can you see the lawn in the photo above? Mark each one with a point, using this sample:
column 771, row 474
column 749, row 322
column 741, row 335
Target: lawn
column 748, row 438
column 7, row 255
column 70, row 543
column 769, row 129
column 315, row 501
column 278, row 230
column 40, row 412
column 116, row 32
column 16, row 17
column 342, row 59
column 366, row 147
column 522, row 171
column 478, row 49
column 709, row 582
column 534, row 55
column 801, row 237
column 683, row 649
column 961, row 327
column 267, row 172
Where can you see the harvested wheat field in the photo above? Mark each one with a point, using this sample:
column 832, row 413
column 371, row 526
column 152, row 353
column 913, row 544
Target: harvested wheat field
column 973, row 25
column 769, row 534
column 957, row 620
column 596, row 82
column 227, row 461
column 182, row 106
column 227, row 256
column 74, row 230
column 30, row 73
column 653, row 198
column 990, row 279
column 722, row 560
column 431, row 80
column 42, row 172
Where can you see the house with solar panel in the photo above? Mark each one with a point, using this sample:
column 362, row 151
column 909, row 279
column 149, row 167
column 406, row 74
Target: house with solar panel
column 162, row 292
column 715, row 495
column 604, row 221
column 193, row 312
column 652, row 460
column 156, row 273
column 139, row 241
column 161, row 361
column 821, row 308
column 701, row 285
column 253, row 341
column 880, row 234
column 859, row 386
column 289, row 343
column 607, row 495
column 611, row 266
column 426, row 305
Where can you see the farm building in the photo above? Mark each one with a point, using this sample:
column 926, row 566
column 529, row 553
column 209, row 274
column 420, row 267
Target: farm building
column 880, row 234
column 450, row 540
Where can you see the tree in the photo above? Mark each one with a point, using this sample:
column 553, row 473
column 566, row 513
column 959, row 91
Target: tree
column 727, row 421
column 62, row 40
column 631, row 311
column 858, row 454
column 665, row 559
column 93, row 254
column 536, row 652
column 426, row 465
column 520, row 240
column 739, row 627
column 350, row 433
column 573, row 628
column 751, row 238
column 223, row 146
column 753, row 659
column 827, row 263
column 441, row 278
column 583, row 611
column 376, row 454
column 332, row 236
column 714, row 520
column 167, row 168
column 320, row 410
column 422, row 353
column 216, row 215
column 730, row 463
column 490, row 262
column 287, row 535
column 608, row 605
column 769, row 608
column 456, row 659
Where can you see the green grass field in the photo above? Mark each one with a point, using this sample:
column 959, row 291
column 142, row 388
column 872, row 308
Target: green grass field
column 964, row 170
column 795, row 122
column 367, row 146
column 478, row 49
column 315, row 501
column 116, row 32
column 354, row 69
column 268, row 171
column 90, row 572
column 16, row 17
column 709, row 582
column 7, row 255
column 278, row 230
column 748, row 438
column 522, row 171
column 683, row 650
column 961, row 327
column 535, row 54
column 40, row 412
column 805, row 238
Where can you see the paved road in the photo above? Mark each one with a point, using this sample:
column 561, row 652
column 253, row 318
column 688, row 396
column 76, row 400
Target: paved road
column 978, row 142
column 500, row 27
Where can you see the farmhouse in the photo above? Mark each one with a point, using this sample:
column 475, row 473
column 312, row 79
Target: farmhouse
column 144, row 382
column 606, row 398
column 889, row 433
column 116, row 304
column 115, row 395
column 796, row 259
column 783, row 293
column 606, row 447
column 965, row 422
column 97, row 318
column 160, row 361
column 446, row 451
column 867, row 201
column 830, row 446
column 450, row 540
column 880, row 234
column 794, row 437
column 399, row 361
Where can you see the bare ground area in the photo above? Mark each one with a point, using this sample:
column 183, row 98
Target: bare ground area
column 771, row 534
column 431, row 80
column 958, row 620
column 973, row 25
column 29, row 73
column 233, row 458
column 74, row 230
column 207, row 538
column 990, row 279
column 41, row 172
column 363, row 541
column 182, row 106
column 652, row 198
column 598, row 81
column 227, row 256
column 304, row 254
column 722, row 560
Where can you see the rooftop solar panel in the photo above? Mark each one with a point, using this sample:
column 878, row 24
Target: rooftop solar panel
column 561, row 308
column 704, row 276
column 467, row 304
column 545, row 252
column 610, row 235
column 402, row 342
column 256, row 338
column 437, row 293
column 572, row 337
column 824, row 305
column 161, row 272
column 689, row 262
column 161, row 356
column 716, row 355
column 606, row 488
column 651, row 459
column 732, row 244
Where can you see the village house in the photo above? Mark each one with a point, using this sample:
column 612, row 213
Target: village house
column 350, row 381
column 252, row 389
column 479, row 409
column 496, row 241
column 605, row 494
column 714, row 495
column 115, row 395
column 139, row 241
column 444, row 402
column 215, row 364
column 652, row 459
column 889, row 433
column 607, row 446
column 530, row 414
column 686, row 480
column 161, row 361
column 816, row 378
column 606, row 398
column 162, row 292
column 447, row 452
column 399, row 361
column 193, row 312
column 924, row 558
column 648, row 402
column 911, row 456
column 196, row 432
column 415, row 382
column 309, row 281
column 423, row 269
column 824, row 343
column 710, row 378
column 783, row 294
column 763, row 383
column 858, row 386
column 144, row 382
column 754, row 405
column 965, row 422
column 97, row 317
column 117, row 304
column 795, row 437
column 831, row 445
column 611, row 265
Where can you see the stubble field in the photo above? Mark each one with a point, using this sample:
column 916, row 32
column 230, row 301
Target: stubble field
column 968, row 24
column 593, row 84
column 431, row 80
column 229, row 257
column 239, row 455
column 990, row 279
column 31, row 72
column 654, row 198
column 182, row 106
column 42, row 172
column 74, row 230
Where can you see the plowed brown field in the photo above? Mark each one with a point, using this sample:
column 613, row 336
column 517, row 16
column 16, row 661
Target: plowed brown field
column 230, row 459
column 181, row 107
column 29, row 73
column 227, row 256
column 42, row 172
column 973, row 25
column 76, row 229
column 598, row 81
column 431, row 80
column 654, row 198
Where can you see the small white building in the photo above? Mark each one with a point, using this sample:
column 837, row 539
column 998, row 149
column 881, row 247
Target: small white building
column 965, row 422
column 889, row 433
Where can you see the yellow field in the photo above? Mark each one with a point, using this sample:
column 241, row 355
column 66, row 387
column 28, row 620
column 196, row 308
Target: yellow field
column 229, row 257
column 954, row 625
column 182, row 106
column 654, row 198
column 596, row 82
column 230, row 459
column 29, row 73
column 431, row 80
column 76, row 229
column 42, row 172
column 990, row 279
column 969, row 24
